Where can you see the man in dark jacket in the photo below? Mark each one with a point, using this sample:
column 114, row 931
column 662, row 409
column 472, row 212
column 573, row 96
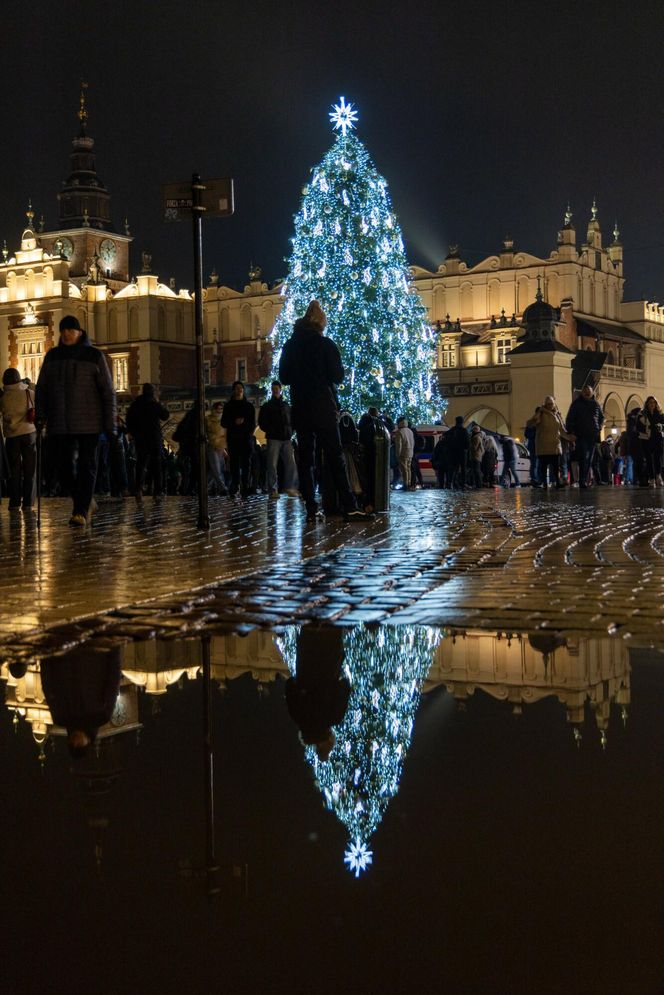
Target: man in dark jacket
column 317, row 696
column 584, row 420
column 274, row 418
column 144, row 419
column 75, row 398
column 239, row 420
column 81, row 689
column 311, row 364
column 457, row 449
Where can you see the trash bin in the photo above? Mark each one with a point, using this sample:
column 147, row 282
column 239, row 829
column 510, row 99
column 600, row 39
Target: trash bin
column 381, row 482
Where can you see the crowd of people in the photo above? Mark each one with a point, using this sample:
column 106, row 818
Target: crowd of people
column 308, row 449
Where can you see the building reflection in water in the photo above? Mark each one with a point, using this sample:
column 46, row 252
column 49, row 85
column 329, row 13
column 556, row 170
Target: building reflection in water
column 386, row 667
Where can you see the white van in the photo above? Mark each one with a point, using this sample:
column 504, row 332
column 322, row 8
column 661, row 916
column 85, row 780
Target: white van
column 432, row 433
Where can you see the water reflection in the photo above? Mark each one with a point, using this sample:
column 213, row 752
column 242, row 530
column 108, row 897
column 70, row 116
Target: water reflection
column 372, row 709
column 352, row 692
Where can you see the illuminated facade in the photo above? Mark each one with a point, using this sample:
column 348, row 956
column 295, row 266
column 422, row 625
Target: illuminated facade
column 478, row 312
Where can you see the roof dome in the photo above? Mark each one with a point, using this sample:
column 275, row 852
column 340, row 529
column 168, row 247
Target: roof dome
column 539, row 311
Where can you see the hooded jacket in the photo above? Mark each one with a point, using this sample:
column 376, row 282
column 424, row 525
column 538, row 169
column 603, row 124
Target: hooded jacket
column 75, row 393
column 14, row 404
column 311, row 365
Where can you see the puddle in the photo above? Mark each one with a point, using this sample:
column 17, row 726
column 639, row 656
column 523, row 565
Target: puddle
column 376, row 807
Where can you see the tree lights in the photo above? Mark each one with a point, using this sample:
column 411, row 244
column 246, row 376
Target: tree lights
column 348, row 253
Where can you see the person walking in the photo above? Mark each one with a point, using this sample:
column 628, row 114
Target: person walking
column 510, row 454
column 75, row 399
column 649, row 427
column 404, row 445
column 311, row 365
column 476, row 455
column 457, row 445
column 274, row 418
column 216, row 445
column 584, row 421
column 489, row 460
column 239, row 419
column 17, row 407
column 143, row 421
column 549, row 430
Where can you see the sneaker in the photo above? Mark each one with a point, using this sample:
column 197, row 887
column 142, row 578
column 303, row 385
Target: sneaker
column 274, row 495
column 651, row 483
column 292, row 492
column 78, row 520
column 358, row 516
column 659, row 481
column 92, row 508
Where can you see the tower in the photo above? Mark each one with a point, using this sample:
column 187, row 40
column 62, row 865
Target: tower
column 85, row 234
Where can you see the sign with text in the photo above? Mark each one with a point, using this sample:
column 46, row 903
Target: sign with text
column 217, row 199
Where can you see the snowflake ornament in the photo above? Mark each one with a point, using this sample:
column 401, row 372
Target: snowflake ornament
column 358, row 857
column 343, row 116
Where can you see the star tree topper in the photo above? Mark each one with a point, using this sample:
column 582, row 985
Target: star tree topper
column 343, row 116
column 358, row 857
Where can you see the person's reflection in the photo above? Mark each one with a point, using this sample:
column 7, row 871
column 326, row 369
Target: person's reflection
column 317, row 696
column 81, row 689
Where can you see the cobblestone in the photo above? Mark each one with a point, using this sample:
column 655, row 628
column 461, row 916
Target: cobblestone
column 582, row 562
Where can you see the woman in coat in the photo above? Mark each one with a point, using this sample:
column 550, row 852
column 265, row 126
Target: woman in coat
column 17, row 409
column 549, row 430
column 649, row 428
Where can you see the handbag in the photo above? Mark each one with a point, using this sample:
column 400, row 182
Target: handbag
column 30, row 413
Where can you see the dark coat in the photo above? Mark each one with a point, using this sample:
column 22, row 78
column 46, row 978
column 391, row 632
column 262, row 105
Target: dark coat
column 75, row 393
column 585, row 419
column 274, row 418
column 238, row 436
column 311, row 365
column 317, row 697
column 81, row 688
column 144, row 419
column 510, row 452
column 456, row 441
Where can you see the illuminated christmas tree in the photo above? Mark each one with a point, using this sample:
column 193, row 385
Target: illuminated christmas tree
column 386, row 668
column 348, row 254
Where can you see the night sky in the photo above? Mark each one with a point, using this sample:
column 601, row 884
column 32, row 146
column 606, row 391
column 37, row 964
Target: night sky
column 484, row 119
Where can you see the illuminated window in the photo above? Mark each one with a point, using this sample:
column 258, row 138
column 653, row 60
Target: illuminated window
column 448, row 354
column 503, row 349
column 120, row 371
column 31, row 351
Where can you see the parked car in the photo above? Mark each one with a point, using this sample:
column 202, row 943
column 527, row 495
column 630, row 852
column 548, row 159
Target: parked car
column 432, row 433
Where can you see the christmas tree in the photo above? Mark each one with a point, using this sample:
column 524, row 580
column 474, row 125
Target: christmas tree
column 386, row 667
column 348, row 254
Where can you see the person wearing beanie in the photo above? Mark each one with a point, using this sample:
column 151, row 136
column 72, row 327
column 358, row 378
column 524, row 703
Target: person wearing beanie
column 143, row 422
column 75, row 400
column 17, row 407
column 311, row 365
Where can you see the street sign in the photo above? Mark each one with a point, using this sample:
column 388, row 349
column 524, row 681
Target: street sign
column 216, row 199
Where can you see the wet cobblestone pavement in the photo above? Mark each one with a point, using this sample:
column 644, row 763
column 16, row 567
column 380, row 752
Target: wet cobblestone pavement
column 520, row 560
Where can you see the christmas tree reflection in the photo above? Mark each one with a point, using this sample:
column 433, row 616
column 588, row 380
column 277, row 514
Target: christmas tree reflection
column 386, row 667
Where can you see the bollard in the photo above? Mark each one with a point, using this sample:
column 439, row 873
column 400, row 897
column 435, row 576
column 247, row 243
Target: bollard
column 381, row 468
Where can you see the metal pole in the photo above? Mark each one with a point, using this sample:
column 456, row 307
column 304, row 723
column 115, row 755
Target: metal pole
column 211, row 865
column 197, row 216
column 39, row 474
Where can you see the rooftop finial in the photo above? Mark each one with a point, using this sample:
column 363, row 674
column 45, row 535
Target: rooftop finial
column 83, row 110
column 616, row 233
column 593, row 209
column 538, row 295
column 568, row 216
column 30, row 214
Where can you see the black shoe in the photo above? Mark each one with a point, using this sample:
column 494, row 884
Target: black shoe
column 358, row 516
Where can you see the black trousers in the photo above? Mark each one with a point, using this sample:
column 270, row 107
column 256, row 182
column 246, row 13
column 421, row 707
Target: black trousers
column 552, row 461
column 76, row 457
column 22, row 461
column 240, row 465
column 321, row 431
column 153, row 457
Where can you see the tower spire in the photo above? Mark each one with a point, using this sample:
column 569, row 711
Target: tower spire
column 568, row 216
column 593, row 209
column 83, row 109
